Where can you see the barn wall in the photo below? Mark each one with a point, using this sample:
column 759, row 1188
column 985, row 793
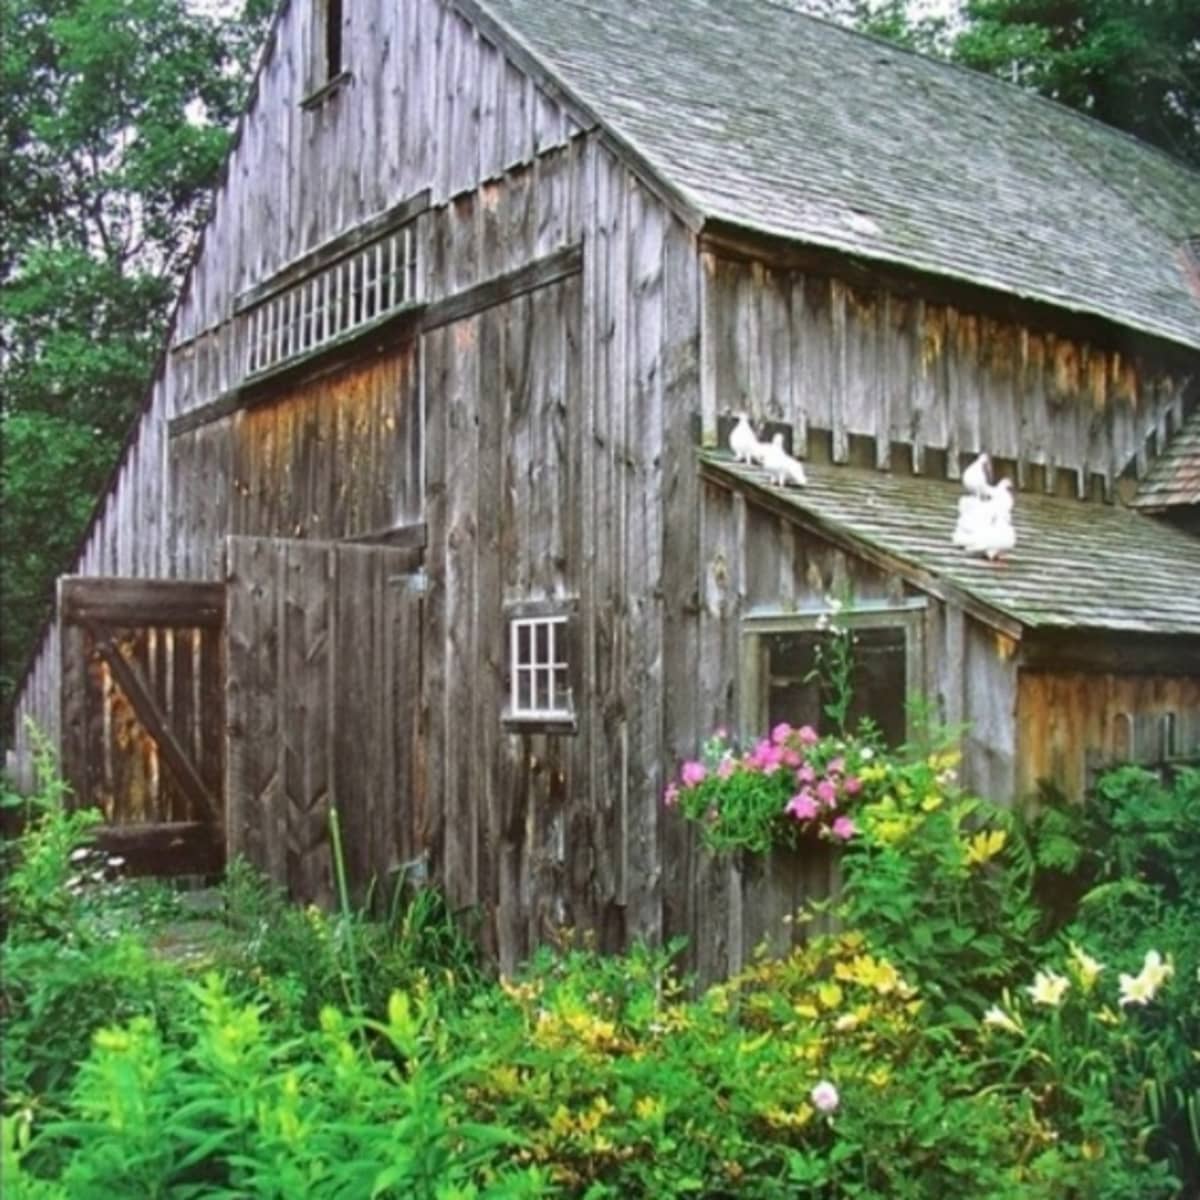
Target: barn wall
column 892, row 370
column 431, row 104
column 1064, row 715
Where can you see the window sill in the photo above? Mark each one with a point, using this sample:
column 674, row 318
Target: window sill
column 564, row 725
column 326, row 91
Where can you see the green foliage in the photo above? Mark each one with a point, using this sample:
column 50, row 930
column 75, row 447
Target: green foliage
column 953, row 1038
column 1132, row 65
column 941, row 881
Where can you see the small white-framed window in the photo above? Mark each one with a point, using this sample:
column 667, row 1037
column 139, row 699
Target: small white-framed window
column 539, row 669
column 779, row 659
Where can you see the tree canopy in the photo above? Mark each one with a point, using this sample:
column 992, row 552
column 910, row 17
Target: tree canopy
column 116, row 120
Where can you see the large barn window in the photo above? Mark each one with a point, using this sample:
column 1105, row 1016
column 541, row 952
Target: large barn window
column 541, row 667
column 780, row 660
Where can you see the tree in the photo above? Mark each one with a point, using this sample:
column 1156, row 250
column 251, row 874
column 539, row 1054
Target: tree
column 1130, row 63
column 116, row 120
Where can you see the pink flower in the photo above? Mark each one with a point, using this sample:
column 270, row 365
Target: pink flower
column 806, row 774
column 721, row 733
column 807, row 735
column 790, row 757
column 766, row 757
column 781, row 733
column 802, row 806
column 825, row 1097
column 693, row 773
column 837, row 766
column 827, row 793
column 852, row 786
column 844, row 828
column 725, row 768
column 671, row 796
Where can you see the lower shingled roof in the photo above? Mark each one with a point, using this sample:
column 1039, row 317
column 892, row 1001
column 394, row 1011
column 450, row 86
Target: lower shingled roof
column 1174, row 477
column 1077, row 565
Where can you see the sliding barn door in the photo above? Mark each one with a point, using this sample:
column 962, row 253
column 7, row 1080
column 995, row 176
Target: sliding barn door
column 322, row 705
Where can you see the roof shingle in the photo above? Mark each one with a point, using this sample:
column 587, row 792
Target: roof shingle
column 1174, row 477
column 1077, row 565
column 787, row 125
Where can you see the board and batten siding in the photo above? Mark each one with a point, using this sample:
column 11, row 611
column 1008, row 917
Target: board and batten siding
column 429, row 103
column 1064, row 715
column 902, row 375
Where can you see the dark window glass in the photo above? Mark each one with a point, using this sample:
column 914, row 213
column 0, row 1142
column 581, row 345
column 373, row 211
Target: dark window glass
column 333, row 38
column 879, row 681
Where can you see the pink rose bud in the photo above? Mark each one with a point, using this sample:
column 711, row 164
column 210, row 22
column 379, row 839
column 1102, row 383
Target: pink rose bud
column 844, row 828
column 781, row 733
column 807, row 735
column 827, row 793
column 853, row 785
column 693, row 773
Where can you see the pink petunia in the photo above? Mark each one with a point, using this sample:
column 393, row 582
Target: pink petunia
column 781, row 733
column 806, row 774
column 843, row 828
column 802, row 806
column 852, row 786
column 693, row 773
column 807, row 735
column 827, row 793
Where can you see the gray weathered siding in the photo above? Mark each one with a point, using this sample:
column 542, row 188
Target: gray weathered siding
column 892, row 370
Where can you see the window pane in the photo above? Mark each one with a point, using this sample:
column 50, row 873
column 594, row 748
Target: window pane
column 562, row 692
column 524, row 690
column 543, row 688
column 543, row 642
column 878, row 681
column 522, row 643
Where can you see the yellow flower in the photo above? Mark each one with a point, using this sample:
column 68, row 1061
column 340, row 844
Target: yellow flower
column 985, row 846
column 1143, row 987
column 830, row 995
column 647, row 1109
column 1086, row 967
column 997, row 1018
column 1048, row 988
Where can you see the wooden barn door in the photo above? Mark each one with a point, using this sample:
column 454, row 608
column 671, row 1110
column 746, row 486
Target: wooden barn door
column 323, row 701
column 143, row 717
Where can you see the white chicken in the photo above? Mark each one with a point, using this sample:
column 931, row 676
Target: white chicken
column 744, row 443
column 781, row 466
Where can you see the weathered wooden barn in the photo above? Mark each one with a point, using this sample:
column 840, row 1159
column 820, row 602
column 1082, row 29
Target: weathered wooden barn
column 427, row 514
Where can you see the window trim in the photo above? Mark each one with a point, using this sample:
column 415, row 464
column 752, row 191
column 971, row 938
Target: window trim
column 757, row 626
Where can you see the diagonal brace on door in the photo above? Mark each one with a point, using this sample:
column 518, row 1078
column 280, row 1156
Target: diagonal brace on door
column 174, row 755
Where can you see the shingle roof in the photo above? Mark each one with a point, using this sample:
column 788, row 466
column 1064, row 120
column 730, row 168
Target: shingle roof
column 1174, row 477
column 1077, row 565
column 787, row 125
